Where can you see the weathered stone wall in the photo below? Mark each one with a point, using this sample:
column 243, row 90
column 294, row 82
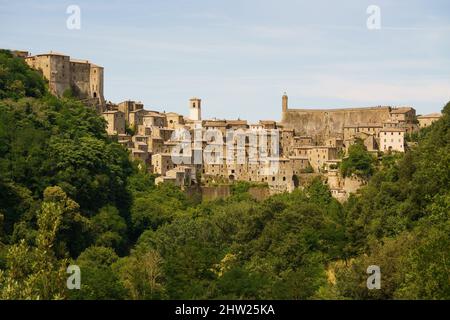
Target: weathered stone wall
column 306, row 178
column 81, row 79
column 96, row 83
column 259, row 193
column 214, row 192
column 323, row 123
column 223, row 191
column 352, row 184
column 62, row 73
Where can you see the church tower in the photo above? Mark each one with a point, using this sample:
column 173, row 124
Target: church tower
column 195, row 109
column 285, row 102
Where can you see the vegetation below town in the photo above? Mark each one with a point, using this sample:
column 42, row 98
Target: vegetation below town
column 71, row 195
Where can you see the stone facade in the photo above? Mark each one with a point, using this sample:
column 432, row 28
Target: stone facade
column 322, row 124
column 115, row 122
column 309, row 141
column 83, row 78
column 303, row 147
column 392, row 139
column 428, row 119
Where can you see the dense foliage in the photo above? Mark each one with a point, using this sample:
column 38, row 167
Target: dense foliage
column 70, row 195
column 358, row 162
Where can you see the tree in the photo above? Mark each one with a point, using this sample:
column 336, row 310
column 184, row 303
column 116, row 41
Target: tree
column 359, row 161
column 141, row 274
column 98, row 280
column 35, row 272
column 17, row 80
column 109, row 228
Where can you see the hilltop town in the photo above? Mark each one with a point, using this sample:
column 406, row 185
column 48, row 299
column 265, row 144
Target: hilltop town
column 310, row 142
column 150, row 204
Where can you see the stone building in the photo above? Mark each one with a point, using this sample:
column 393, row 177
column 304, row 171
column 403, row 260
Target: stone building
column 305, row 140
column 428, row 119
column 195, row 109
column 403, row 114
column 322, row 124
column 280, row 160
column 351, row 130
column 128, row 106
column 319, row 155
column 115, row 122
column 392, row 139
column 82, row 78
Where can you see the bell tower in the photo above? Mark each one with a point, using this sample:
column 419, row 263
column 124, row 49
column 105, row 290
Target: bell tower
column 195, row 109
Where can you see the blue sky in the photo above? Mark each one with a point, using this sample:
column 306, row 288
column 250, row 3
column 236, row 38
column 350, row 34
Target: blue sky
column 240, row 56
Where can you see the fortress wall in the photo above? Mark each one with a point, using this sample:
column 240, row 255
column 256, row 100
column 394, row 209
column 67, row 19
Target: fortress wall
column 325, row 123
column 59, row 74
column 63, row 73
column 81, row 78
column 96, row 82
column 259, row 193
column 210, row 193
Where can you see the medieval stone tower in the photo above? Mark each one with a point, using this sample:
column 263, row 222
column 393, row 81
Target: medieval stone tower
column 195, row 109
column 284, row 102
column 83, row 78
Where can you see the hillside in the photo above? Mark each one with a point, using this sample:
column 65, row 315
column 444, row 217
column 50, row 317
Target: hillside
column 71, row 195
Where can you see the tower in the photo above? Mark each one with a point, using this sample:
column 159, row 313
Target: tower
column 96, row 83
column 284, row 102
column 195, row 109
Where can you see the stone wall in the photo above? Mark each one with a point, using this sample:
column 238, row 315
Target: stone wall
column 324, row 123
column 259, row 193
column 80, row 79
column 353, row 183
column 62, row 73
column 210, row 193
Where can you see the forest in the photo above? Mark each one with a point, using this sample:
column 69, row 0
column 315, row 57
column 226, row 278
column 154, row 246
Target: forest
column 70, row 195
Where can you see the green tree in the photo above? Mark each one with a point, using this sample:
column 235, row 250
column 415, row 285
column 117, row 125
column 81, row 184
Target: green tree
column 35, row 272
column 109, row 228
column 98, row 280
column 142, row 275
column 359, row 161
